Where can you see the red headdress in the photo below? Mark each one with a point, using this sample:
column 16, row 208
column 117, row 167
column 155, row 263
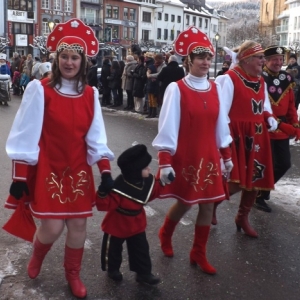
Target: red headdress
column 256, row 49
column 192, row 40
column 73, row 35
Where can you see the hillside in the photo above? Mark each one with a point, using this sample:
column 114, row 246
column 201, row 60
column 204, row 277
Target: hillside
column 237, row 10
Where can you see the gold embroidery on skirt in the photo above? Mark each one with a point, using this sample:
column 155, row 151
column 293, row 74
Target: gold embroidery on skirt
column 57, row 186
column 201, row 177
column 258, row 128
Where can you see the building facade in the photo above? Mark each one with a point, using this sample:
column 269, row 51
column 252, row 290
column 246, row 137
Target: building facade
column 19, row 27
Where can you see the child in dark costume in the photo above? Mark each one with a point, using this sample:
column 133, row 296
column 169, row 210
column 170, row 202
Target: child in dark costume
column 126, row 219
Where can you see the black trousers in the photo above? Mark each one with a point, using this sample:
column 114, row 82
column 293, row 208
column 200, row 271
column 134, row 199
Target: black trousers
column 281, row 157
column 130, row 102
column 138, row 252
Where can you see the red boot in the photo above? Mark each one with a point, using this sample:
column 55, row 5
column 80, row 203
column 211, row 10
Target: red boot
column 72, row 266
column 165, row 236
column 214, row 218
column 241, row 220
column 39, row 252
column 198, row 253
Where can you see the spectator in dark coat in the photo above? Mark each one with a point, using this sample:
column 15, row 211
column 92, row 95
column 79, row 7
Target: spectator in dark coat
column 15, row 65
column 105, row 73
column 171, row 73
column 140, row 79
column 225, row 68
column 92, row 73
column 114, row 81
column 120, row 89
column 294, row 69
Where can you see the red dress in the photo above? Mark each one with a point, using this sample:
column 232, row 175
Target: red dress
column 196, row 161
column 251, row 150
column 61, row 184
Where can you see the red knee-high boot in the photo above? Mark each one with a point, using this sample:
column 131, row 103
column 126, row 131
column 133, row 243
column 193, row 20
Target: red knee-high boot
column 241, row 220
column 39, row 252
column 214, row 217
column 72, row 266
column 198, row 253
column 165, row 236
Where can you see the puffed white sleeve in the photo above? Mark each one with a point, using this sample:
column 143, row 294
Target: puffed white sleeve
column 223, row 136
column 96, row 137
column 25, row 133
column 227, row 91
column 169, row 120
column 267, row 103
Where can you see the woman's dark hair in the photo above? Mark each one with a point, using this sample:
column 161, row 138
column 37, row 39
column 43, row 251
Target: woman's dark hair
column 142, row 59
column 115, row 65
column 80, row 77
column 106, row 61
column 122, row 65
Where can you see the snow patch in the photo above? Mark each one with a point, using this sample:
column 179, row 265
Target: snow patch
column 287, row 195
column 150, row 212
column 87, row 244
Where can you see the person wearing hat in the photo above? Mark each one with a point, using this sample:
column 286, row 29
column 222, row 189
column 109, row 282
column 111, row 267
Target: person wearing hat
column 294, row 69
column 192, row 127
column 280, row 89
column 45, row 69
column 57, row 135
column 251, row 117
column 126, row 218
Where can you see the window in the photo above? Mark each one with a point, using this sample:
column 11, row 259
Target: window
column 68, row 5
column 20, row 5
column 165, row 34
column 90, row 16
column 146, row 16
column 45, row 27
column 187, row 20
column 45, row 3
column 57, row 4
column 125, row 32
column 194, row 21
column 132, row 14
column 172, row 35
column 108, row 12
column 206, row 24
column 116, row 12
column 158, row 33
column 115, row 32
column 22, row 28
column 145, row 35
column 178, row 19
column 178, row 32
column 166, row 17
column 172, row 18
column 132, row 33
column 200, row 22
column 159, row 16
column 125, row 13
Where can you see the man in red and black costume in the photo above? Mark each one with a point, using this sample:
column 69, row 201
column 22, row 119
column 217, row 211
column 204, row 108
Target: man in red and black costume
column 280, row 89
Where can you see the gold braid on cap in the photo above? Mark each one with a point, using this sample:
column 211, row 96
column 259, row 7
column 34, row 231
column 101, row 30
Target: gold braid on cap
column 73, row 47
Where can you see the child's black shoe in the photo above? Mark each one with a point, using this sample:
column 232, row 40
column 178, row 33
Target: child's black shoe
column 148, row 279
column 115, row 275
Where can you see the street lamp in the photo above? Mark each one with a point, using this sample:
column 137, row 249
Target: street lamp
column 217, row 36
column 51, row 25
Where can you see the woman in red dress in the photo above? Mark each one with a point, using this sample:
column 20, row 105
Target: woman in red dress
column 57, row 135
column 193, row 126
column 249, row 109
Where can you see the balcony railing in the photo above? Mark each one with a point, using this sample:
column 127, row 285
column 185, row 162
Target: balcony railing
column 96, row 21
column 93, row 1
column 282, row 28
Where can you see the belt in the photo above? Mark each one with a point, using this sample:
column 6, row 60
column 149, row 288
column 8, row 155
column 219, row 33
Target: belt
column 129, row 212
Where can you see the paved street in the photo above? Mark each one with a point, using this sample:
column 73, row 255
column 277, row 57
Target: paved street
column 267, row 268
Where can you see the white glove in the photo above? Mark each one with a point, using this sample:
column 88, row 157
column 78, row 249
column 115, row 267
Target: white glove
column 164, row 173
column 228, row 166
column 273, row 124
